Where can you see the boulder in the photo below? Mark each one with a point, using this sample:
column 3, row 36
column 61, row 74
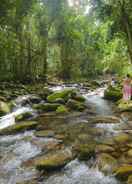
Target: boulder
column 46, row 107
column 23, row 116
column 17, row 128
column 4, row 108
column 60, row 101
column 113, row 93
column 75, row 105
column 79, row 98
column 105, row 119
column 121, row 138
column 129, row 153
column 104, row 148
column 106, row 163
column 64, row 94
column 123, row 172
column 129, row 181
column 85, row 151
column 125, row 106
column 53, row 161
column 62, row 109
column 44, row 133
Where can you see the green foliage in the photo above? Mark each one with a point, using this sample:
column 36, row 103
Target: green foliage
column 41, row 38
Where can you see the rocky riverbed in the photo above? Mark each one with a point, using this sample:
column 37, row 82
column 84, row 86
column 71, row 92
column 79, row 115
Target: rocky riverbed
column 64, row 134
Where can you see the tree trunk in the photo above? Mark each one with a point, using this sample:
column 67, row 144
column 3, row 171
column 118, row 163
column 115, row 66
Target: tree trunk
column 128, row 32
column 45, row 65
column 65, row 67
column 29, row 60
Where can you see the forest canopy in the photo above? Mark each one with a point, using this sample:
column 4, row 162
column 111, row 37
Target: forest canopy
column 65, row 39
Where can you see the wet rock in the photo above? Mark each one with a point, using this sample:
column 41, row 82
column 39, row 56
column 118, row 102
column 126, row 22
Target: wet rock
column 44, row 133
column 54, row 161
column 60, row 101
column 2, row 98
column 108, row 141
column 129, row 181
column 28, row 182
column 62, row 109
column 121, row 138
column 23, row 116
column 129, row 153
column 104, row 148
column 123, row 172
column 75, row 105
column 105, row 119
column 64, row 94
column 125, row 106
column 46, row 107
column 4, row 108
column 106, row 163
column 85, row 151
column 113, row 93
column 126, row 116
column 17, row 128
column 77, row 97
column 96, row 83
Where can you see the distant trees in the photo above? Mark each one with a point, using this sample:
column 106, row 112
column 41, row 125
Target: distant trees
column 43, row 38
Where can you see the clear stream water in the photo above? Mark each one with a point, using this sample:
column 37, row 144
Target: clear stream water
column 16, row 149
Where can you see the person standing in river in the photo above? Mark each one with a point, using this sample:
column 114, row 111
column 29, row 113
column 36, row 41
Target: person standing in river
column 127, row 89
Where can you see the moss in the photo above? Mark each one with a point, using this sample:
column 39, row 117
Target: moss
column 75, row 105
column 21, row 127
column 4, row 108
column 79, row 98
column 129, row 181
column 53, row 161
column 44, row 133
column 113, row 93
column 86, row 151
column 125, row 106
column 106, row 163
column 61, row 94
column 23, row 116
column 62, row 109
column 47, row 107
column 122, row 138
column 123, row 172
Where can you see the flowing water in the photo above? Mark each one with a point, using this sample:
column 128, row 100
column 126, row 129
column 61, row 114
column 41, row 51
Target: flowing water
column 16, row 149
column 79, row 173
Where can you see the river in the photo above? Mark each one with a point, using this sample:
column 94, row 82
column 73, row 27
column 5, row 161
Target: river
column 16, row 149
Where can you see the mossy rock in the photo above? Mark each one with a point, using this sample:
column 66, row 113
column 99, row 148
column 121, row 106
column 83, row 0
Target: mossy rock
column 79, row 98
column 62, row 109
column 23, row 116
column 121, row 138
column 86, row 151
column 4, row 108
column 104, row 148
column 105, row 120
column 129, row 181
column 46, row 107
column 125, row 106
column 64, row 94
column 75, row 105
column 17, row 128
column 44, row 133
column 123, row 172
column 60, row 101
column 113, row 93
column 53, row 161
column 106, row 163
